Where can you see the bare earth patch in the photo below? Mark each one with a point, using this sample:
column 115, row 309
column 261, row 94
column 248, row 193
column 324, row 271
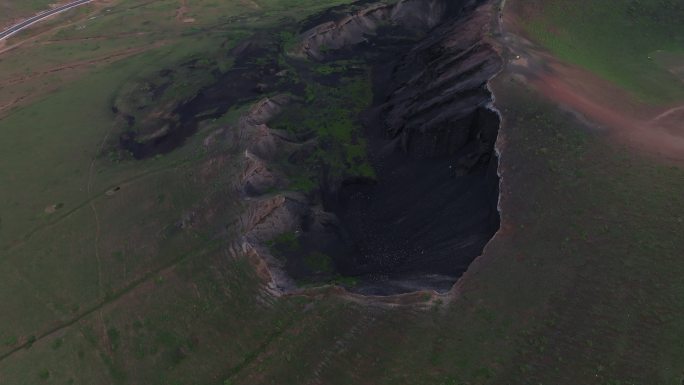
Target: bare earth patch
column 182, row 11
column 657, row 130
column 250, row 3
column 673, row 62
column 53, row 208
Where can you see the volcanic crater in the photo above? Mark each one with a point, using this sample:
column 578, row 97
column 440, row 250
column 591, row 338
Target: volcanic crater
column 413, row 198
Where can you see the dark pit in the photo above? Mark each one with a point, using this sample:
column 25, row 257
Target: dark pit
column 433, row 204
column 419, row 203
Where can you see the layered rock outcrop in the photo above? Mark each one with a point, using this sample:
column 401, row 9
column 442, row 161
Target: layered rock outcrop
column 431, row 131
column 420, row 15
column 438, row 103
column 433, row 207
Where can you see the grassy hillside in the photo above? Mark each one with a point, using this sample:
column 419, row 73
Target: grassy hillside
column 99, row 284
column 618, row 40
column 587, row 291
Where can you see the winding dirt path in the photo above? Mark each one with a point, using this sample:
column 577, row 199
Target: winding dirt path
column 652, row 129
column 668, row 113
column 640, row 126
column 89, row 191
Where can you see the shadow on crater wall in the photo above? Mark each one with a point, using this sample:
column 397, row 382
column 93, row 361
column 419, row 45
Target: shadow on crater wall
column 433, row 206
column 429, row 136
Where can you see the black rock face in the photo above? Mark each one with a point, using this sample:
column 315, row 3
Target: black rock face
column 254, row 73
column 433, row 207
column 429, row 134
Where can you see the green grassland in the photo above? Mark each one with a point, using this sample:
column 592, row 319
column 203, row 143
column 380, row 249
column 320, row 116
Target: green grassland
column 603, row 306
column 617, row 40
column 583, row 285
column 602, row 231
column 79, row 230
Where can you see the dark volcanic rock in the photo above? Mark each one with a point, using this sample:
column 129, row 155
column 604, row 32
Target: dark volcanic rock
column 438, row 101
column 163, row 126
column 430, row 137
column 357, row 25
column 433, row 207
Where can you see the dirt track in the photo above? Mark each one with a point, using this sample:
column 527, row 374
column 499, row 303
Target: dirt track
column 656, row 130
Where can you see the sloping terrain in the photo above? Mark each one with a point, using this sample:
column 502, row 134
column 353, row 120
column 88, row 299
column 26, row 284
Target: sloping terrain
column 616, row 64
column 125, row 268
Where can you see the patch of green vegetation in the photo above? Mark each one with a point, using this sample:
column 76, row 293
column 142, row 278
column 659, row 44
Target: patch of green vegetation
column 150, row 99
column 339, row 280
column 336, row 67
column 302, row 183
column 345, row 281
column 10, row 340
column 57, row 343
column 326, row 69
column 289, row 40
column 44, row 374
column 318, row 262
column 287, row 242
column 114, row 337
column 116, row 372
column 331, row 113
column 30, row 341
column 615, row 39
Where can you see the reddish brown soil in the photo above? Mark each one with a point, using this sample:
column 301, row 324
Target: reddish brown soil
column 182, row 11
column 656, row 130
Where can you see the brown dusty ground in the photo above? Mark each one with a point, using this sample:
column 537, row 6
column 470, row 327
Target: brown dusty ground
column 656, row 130
column 182, row 11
